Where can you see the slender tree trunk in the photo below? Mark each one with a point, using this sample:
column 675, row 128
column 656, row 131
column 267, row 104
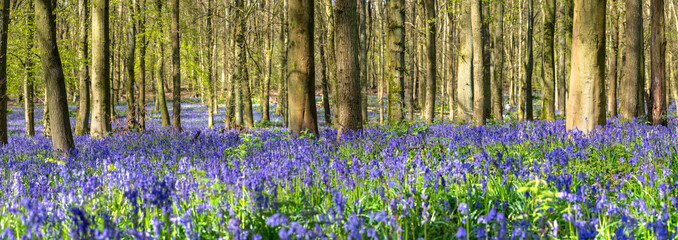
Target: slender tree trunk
column 176, row 68
column 549, row 98
column 160, row 76
column 632, row 81
column 29, row 92
column 586, row 106
column 4, row 30
column 452, row 46
column 382, row 72
column 465, row 85
column 141, row 21
column 82, row 121
column 331, row 57
column 132, row 122
column 613, row 62
column 101, row 81
column 266, row 86
column 429, row 108
column 529, row 64
column 62, row 137
column 410, row 85
column 498, row 79
column 362, row 20
column 46, row 123
column 210, row 66
column 658, row 68
column 323, row 69
column 303, row 116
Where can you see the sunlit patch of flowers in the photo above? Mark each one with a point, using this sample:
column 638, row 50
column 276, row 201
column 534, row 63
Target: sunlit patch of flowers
column 513, row 181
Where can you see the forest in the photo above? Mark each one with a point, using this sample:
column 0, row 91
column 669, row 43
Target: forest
column 338, row 119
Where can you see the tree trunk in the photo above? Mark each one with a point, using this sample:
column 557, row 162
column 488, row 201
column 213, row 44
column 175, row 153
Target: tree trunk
column 527, row 113
column 82, row 121
column 549, row 98
column 632, row 81
column 101, row 82
column 4, row 30
column 266, row 86
column 613, row 61
column 62, row 137
column 498, row 79
column 658, row 67
column 349, row 111
column 141, row 21
column 429, row 108
column 396, row 63
column 29, row 91
column 586, row 105
column 331, row 56
column 176, row 68
column 362, row 6
column 452, row 46
column 46, row 125
column 323, row 69
column 210, row 66
column 382, row 72
column 410, row 84
column 301, row 92
column 480, row 78
column 160, row 76
column 465, row 68
column 132, row 122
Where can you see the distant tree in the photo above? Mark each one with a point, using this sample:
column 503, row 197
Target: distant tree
column 62, row 137
column 301, row 91
column 349, row 116
column 586, row 105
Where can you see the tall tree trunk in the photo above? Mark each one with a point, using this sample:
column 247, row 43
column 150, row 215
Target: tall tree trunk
column 658, row 68
column 229, row 86
column 362, row 20
column 498, row 79
column 586, row 106
column 633, row 80
column 160, row 76
column 323, row 68
column 245, row 97
column 527, row 114
column 430, row 103
column 141, row 106
column 210, row 66
column 465, row 85
column 549, row 98
column 452, row 63
column 29, row 91
column 410, row 84
column 266, row 86
column 285, row 37
column 4, row 30
column 382, row 72
column 349, row 111
column 614, row 61
column 62, row 137
column 301, row 91
column 132, row 122
column 396, row 63
column 82, row 121
column 101, row 81
column 480, row 82
column 176, row 68
column 46, row 125
column 331, row 56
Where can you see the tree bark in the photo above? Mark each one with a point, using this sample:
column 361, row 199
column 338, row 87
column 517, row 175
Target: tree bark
column 614, row 61
column 101, row 82
column 62, row 137
column 586, row 105
column 210, row 66
column 658, row 66
column 349, row 111
column 465, row 68
column 176, row 68
column 132, row 122
column 396, row 62
column 480, row 77
column 323, row 68
column 549, row 98
column 429, row 111
column 82, row 121
column 160, row 76
column 4, row 30
column 362, row 6
column 141, row 22
column 266, row 86
column 301, row 92
column 331, row 56
column 498, row 79
column 632, row 81
column 29, row 89
column 527, row 113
